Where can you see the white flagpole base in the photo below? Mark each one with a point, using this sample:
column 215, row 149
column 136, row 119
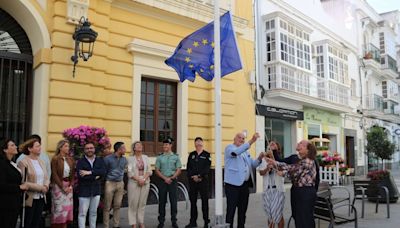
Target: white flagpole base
column 220, row 222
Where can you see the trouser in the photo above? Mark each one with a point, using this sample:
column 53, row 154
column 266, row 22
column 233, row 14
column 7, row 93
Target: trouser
column 113, row 193
column 85, row 204
column 237, row 196
column 302, row 200
column 33, row 215
column 171, row 189
column 137, row 198
column 194, row 189
column 9, row 214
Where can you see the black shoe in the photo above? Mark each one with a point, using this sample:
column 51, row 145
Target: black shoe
column 206, row 225
column 174, row 225
column 160, row 225
column 191, row 225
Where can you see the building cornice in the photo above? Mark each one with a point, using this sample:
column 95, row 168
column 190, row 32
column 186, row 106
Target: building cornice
column 187, row 8
column 313, row 23
column 150, row 48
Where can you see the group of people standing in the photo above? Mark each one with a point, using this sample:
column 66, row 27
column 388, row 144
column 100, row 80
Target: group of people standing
column 33, row 175
column 27, row 181
column 301, row 168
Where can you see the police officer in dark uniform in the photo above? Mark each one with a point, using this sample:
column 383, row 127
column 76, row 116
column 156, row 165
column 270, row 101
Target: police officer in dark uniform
column 198, row 168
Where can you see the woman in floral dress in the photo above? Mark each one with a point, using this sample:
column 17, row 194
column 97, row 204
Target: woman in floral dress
column 62, row 175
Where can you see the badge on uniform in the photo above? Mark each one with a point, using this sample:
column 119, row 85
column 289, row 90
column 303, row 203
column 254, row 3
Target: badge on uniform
column 193, row 156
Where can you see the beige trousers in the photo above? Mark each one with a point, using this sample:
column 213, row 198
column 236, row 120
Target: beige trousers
column 137, row 199
column 113, row 193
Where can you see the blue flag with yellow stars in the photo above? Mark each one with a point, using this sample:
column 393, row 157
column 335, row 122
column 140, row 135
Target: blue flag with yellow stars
column 195, row 53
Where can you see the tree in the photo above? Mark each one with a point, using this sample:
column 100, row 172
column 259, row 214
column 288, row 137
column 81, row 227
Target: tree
column 378, row 144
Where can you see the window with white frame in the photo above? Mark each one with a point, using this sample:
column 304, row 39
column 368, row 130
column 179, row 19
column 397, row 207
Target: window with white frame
column 320, row 62
column 271, row 50
column 292, row 54
column 300, row 54
column 288, row 79
column 294, row 45
column 307, row 63
column 271, row 77
column 338, row 68
column 303, row 83
column 284, row 47
column 382, row 42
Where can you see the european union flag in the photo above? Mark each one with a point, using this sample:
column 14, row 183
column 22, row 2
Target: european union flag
column 195, row 53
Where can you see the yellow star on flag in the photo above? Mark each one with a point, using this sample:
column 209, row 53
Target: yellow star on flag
column 187, row 59
column 212, row 44
column 201, row 70
column 191, row 66
column 212, row 67
column 204, row 41
column 196, row 44
column 189, row 51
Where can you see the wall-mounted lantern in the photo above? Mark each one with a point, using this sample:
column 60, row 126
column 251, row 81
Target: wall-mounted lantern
column 85, row 36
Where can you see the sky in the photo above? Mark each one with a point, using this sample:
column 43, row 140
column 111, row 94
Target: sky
column 384, row 5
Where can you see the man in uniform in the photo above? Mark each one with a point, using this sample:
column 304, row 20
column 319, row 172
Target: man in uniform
column 198, row 168
column 168, row 168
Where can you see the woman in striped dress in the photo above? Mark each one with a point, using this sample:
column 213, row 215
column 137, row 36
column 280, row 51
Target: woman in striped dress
column 274, row 190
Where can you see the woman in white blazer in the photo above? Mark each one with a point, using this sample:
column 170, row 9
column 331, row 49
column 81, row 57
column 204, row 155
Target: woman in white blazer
column 139, row 172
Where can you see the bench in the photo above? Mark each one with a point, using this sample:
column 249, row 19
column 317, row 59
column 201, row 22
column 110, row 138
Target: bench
column 325, row 210
column 362, row 192
column 324, row 186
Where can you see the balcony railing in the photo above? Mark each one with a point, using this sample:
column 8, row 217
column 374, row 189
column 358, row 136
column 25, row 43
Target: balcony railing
column 311, row 86
column 292, row 82
column 372, row 52
column 390, row 107
column 333, row 92
column 387, row 62
column 374, row 102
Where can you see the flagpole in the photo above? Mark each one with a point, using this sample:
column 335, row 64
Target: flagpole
column 219, row 219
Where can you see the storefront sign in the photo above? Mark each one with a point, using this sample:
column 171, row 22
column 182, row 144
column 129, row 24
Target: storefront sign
column 279, row 113
column 322, row 117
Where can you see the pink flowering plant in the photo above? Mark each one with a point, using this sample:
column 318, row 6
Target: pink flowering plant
column 81, row 135
column 327, row 159
column 378, row 174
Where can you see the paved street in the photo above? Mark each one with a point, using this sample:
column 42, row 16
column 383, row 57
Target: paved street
column 256, row 216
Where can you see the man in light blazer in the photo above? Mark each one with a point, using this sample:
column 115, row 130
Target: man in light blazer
column 239, row 177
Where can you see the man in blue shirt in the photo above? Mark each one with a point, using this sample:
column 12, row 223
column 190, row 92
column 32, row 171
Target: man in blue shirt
column 116, row 165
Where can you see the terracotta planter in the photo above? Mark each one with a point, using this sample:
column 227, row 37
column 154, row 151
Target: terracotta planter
column 373, row 189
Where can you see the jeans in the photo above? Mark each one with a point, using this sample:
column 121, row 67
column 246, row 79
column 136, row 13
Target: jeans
column 86, row 203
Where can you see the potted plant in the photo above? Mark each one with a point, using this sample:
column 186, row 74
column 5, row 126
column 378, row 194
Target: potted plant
column 368, row 55
column 381, row 178
column 378, row 144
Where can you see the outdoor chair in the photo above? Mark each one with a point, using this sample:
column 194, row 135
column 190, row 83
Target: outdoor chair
column 325, row 210
column 362, row 192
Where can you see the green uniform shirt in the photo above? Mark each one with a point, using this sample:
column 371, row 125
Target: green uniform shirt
column 168, row 163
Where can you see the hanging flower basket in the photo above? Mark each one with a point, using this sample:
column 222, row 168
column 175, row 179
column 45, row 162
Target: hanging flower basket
column 81, row 135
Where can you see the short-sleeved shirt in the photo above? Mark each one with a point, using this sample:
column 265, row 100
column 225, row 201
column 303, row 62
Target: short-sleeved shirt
column 168, row 163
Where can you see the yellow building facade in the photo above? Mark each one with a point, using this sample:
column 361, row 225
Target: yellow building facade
column 134, row 39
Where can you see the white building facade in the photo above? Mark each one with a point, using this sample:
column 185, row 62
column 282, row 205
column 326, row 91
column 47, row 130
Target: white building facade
column 318, row 83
